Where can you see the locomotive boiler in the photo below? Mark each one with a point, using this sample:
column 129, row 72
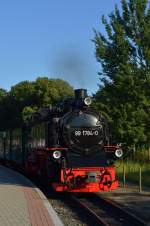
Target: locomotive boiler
column 68, row 146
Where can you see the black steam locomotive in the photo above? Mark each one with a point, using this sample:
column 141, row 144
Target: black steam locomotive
column 66, row 144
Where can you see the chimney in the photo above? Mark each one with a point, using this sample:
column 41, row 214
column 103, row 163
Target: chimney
column 80, row 93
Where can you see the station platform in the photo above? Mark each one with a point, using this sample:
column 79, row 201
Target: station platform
column 22, row 203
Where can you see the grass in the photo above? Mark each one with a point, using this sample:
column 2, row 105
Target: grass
column 132, row 172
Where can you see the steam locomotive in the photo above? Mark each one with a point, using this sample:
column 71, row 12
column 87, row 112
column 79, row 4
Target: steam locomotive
column 67, row 145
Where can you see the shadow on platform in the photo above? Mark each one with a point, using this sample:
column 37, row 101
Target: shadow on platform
column 11, row 177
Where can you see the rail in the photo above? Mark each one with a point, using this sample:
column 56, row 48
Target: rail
column 106, row 212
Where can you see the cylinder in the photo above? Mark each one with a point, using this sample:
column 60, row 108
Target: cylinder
column 80, row 93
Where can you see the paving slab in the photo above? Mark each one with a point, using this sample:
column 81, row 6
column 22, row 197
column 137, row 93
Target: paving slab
column 22, row 203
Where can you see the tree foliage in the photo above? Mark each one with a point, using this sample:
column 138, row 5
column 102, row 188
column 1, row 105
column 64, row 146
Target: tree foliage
column 124, row 54
column 26, row 97
column 3, row 93
column 51, row 90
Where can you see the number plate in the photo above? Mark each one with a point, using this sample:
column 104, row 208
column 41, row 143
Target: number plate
column 86, row 133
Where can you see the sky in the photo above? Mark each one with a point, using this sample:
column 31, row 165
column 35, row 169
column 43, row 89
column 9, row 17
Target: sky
column 51, row 38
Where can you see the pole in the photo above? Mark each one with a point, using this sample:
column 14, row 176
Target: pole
column 149, row 153
column 140, row 180
column 124, row 176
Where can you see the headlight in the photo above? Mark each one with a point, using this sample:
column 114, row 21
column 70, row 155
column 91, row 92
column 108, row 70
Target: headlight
column 118, row 153
column 56, row 154
column 87, row 101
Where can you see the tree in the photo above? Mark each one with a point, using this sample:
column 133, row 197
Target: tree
column 49, row 91
column 3, row 93
column 3, row 96
column 27, row 97
column 124, row 54
column 20, row 95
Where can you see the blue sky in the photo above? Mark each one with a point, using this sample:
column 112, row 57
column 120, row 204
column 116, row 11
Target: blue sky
column 50, row 38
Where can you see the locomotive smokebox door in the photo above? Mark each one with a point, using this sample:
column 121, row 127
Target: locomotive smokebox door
column 83, row 132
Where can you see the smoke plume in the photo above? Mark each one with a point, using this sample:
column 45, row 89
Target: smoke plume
column 71, row 66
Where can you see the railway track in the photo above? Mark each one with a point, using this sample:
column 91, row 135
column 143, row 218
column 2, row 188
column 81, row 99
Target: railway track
column 106, row 212
column 98, row 210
